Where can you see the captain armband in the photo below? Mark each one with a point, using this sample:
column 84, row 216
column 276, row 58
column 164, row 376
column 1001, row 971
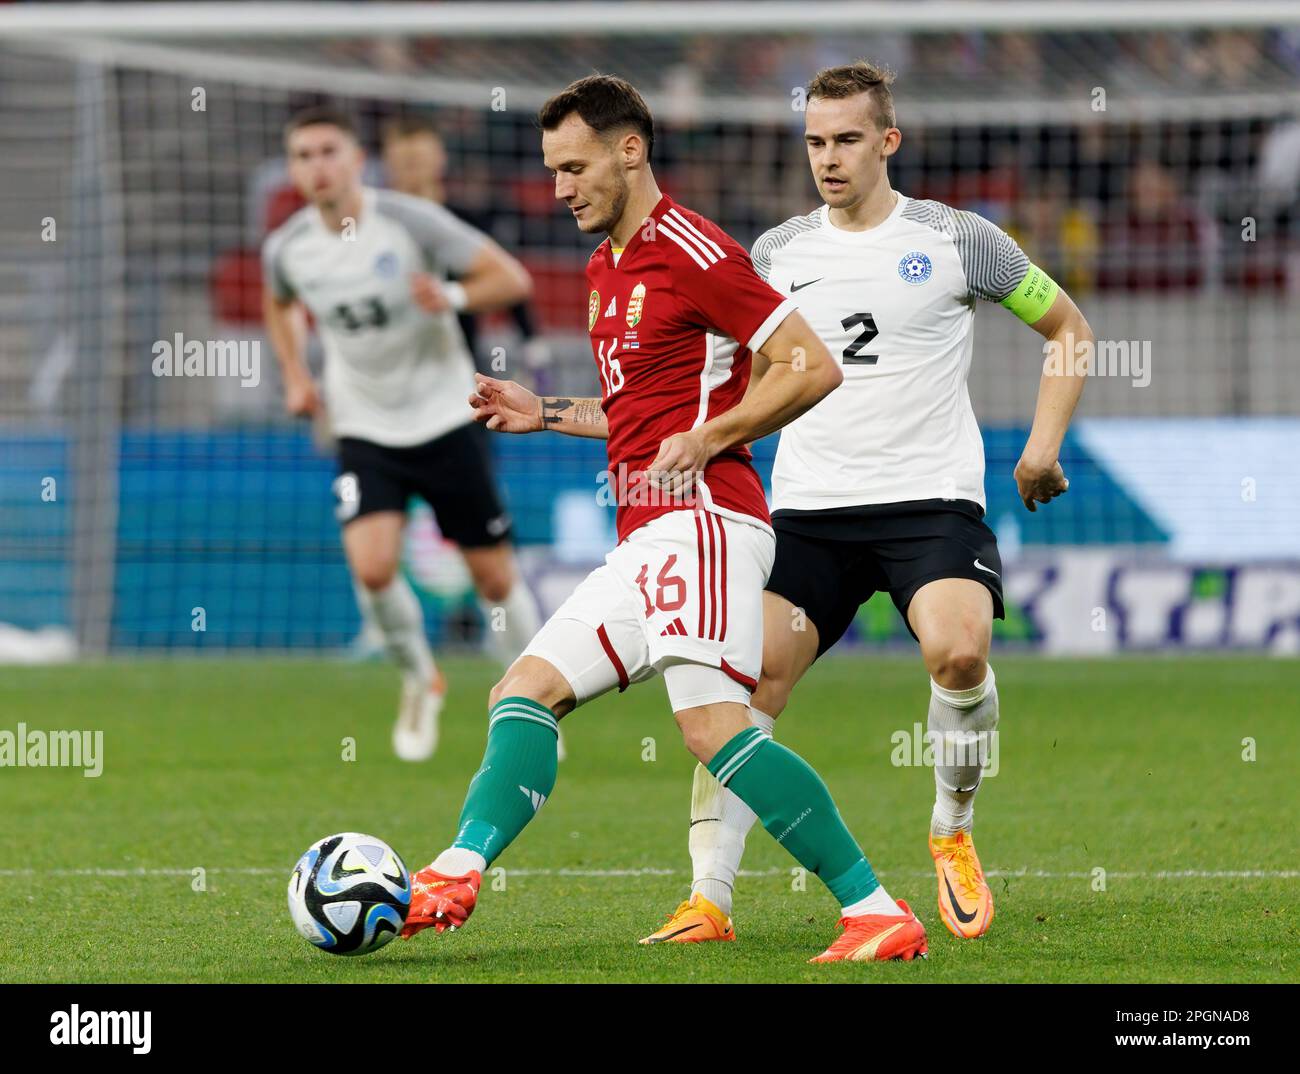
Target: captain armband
column 1033, row 295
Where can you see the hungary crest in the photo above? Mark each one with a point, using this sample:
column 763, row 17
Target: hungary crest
column 635, row 304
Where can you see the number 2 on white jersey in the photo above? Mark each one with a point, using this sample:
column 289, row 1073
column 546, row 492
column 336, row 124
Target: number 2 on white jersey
column 610, row 371
column 853, row 352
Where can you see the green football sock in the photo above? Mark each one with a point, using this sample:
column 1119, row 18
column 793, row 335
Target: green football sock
column 794, row 805
column 516, row 777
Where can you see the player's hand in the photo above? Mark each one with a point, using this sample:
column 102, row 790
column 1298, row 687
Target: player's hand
column 1039, row 481
column 680, row 463
column 301, row 398
column 504, row 406
column 428, row 293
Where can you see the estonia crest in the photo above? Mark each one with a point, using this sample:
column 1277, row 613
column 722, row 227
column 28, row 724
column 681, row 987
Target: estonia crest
column 915, row 267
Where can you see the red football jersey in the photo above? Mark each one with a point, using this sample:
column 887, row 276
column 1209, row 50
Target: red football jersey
column 673, row 326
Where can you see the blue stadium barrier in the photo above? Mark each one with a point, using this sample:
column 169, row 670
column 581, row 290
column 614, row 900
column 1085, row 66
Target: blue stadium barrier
column 35, row 530
column 240, row 524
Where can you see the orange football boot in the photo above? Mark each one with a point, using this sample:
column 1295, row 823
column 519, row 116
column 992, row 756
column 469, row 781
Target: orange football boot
column 878, row 938
column 695, row 921
column 965, row 901
column 443, row 902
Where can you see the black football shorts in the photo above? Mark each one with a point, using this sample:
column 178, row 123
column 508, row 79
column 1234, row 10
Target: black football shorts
column 829, row 563
column 452, row 474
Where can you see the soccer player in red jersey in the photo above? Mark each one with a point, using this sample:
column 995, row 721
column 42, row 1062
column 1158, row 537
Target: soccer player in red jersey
column 675, row 312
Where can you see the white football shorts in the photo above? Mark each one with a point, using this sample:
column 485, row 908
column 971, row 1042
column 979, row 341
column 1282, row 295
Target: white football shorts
column 683, row 596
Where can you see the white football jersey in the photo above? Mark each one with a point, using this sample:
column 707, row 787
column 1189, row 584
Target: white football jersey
column 896, row 307
column 394, row 374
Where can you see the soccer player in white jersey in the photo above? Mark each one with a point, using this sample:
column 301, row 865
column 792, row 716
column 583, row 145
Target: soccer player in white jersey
column 371, row 266
column 880, row 487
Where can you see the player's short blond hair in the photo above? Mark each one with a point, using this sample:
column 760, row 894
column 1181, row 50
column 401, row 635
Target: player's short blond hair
column 861, row 76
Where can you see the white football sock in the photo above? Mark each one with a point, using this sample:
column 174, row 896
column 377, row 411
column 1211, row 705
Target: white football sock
column 370, row 634
column 396, row 609
column 962, row 724
column 457, row 861
column 509, row 626
column 720, row 821
column 764, row 722
column 878, row 902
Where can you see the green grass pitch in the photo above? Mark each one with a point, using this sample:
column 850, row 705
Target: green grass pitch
column 1131, row 766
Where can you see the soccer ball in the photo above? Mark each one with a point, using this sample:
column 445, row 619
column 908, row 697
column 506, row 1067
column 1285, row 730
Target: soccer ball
column 349, row 894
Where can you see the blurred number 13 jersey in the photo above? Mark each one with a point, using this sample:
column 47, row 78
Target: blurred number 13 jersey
column 395, row 375
column 673, row 326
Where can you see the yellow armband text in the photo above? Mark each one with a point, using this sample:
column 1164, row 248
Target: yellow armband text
column 1033, row 295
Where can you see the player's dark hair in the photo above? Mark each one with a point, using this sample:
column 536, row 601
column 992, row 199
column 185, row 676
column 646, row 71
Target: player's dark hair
column 861, row 76
column 605, row 103
column 321, row 114
column 409, row 126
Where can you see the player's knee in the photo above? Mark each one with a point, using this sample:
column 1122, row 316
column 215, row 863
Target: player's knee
column 772, row 694
column 376, row 574
column 536, row 680
column 493, row 577
column 503, row 688
column 514, row 683
column 959, row 665
column 494, row 587
column 775, row 683
column 697, row 738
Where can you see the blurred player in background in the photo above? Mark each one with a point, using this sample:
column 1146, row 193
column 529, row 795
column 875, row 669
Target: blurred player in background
column 372, row 267
column 415, row 163
column 675, row 312
column 880, row 488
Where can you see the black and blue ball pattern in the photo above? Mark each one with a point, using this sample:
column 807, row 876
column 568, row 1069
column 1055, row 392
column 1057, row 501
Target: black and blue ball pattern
column 349, row 894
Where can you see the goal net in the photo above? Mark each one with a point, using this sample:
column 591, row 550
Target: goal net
column 1146, row 154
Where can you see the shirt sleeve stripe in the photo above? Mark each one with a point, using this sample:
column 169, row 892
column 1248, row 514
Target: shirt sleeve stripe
column 990, row 258
column 674, row 229
column 765, row 249
column 685, row 246
column 770, row 325
column 691, row 230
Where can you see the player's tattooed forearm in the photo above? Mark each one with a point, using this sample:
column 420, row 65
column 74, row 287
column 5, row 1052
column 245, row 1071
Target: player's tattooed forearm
column 557, row 411
column 553, row 410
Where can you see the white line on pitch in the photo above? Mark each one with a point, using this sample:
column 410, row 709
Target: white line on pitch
column 1040, row 874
